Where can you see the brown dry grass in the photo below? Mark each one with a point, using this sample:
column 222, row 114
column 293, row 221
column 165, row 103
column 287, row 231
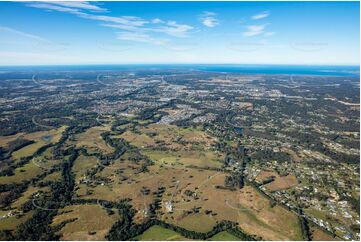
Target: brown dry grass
column 280, row 182
column 283, row 182
column 169, row 143
column 92, row 140
column 90, row 218
column 82, row 164
column 320, row 235
column 37, row 137
column 263, row 175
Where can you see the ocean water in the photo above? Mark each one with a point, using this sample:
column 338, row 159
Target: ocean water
column 244, row 69
column 285, row 69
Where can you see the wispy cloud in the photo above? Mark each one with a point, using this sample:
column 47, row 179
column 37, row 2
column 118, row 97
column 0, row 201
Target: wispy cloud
column 23, row 34
column 141, row 37
column 253, row 30
column 269, row 33
column 130, row 21
column 80, row 5
column 50, row 7
column 121, row 26
column 157, row 21
column 29, row 40
column 209, row 19
column 262, row 15
column 172, row 28
column 139, row 29
column 141, row 34
column 126, row 20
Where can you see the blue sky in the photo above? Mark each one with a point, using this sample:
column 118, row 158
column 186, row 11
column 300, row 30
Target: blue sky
column 38, row 33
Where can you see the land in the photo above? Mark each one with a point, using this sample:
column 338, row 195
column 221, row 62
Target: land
column 178, row 155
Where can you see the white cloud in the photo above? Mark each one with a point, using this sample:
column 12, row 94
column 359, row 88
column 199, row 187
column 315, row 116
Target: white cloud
column 208, row 19
column 54, row 8
column 172, row 28
column 141, row 37
column 130, row 21
column 122, row 27
column 157, row 21
column 269, row 33
column 80, row 5
column 262, row 15
column 253, row 30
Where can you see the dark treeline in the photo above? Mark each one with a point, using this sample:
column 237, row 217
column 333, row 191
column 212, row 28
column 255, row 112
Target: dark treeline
column 125, row 229
column 267, row 180
column 237, row 158
column 305, row 228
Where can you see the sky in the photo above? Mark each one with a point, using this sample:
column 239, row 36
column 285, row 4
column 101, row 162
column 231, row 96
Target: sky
column 58, row 33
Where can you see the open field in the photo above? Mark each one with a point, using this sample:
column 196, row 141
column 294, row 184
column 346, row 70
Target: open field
column 33, row 168
column 5, row 140
column 41, row 138
column 13, row 217
column 320, row 235
column 169, row 135
column 55, row 176
column 168, row 143
column 196, row 158
column 28, row 171
column 247, row 207
column 279, row 183
column 92, row 222
column 12, row 222
column 282, row 182
column 224, row 236
column 27, row 195
column 91, row 140
column 82, row 164
column 196, row 222
column 159, row 233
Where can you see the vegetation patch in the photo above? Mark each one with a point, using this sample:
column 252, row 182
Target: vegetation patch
column 157, row 232
column 224, row 236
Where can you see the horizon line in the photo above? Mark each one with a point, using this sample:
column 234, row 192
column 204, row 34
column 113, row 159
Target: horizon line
column 100, row 64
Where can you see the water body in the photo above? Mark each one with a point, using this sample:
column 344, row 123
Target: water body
column 239, row 130
column 285, row 69
column 242, row 69
column 46, row 138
